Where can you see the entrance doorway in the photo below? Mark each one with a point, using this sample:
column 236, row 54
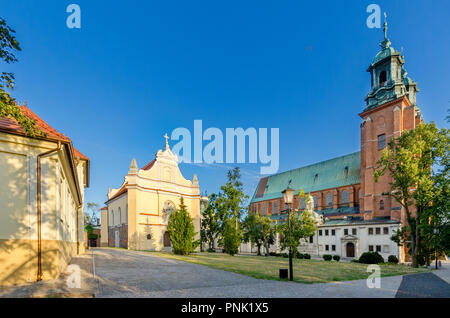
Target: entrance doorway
column 350, row 250
column 167, row 239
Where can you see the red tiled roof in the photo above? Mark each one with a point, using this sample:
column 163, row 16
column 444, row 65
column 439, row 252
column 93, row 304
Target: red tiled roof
column 12, row 125
column 149, row 165
column 104, row 208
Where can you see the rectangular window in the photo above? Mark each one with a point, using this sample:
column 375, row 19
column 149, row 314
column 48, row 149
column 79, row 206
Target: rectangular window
column 381, row 141
column 378, row 248
column 370, row 248
column 320, row 232
column 333, row 247
column 353, row 231
column 333, row 232
column 370, row 230
column 275, row 211
column 345, row 231
column 377, row 231
column 327, row 247
column 385, row 230
column 264, row 210
column 385, row 248
column 326, row 232
column 311, row 239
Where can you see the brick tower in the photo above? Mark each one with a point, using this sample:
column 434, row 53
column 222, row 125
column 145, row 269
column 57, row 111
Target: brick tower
column 390, row 109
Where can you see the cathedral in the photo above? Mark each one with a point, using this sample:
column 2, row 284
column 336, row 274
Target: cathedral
column 357, row 214
column 136, row 213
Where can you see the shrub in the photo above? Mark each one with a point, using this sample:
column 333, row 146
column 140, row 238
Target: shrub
column 371, row 258
column 285, row 255
column 393, row 259
column 211, row 250
column 300, row 255
column 336, row 258
column 181, row 231
column 231, row 238
column 327, row 257
column 306, row 256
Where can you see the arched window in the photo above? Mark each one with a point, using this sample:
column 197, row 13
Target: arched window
column 168, row 208
column 275, row 211
column 382, row 78
column 329, row 199
column 111, row 222
column 120, row 216
column 381, row 205
column 346, row 172
column 264, row 210
column 359, row 194
column 315, row 202
column 344, row 196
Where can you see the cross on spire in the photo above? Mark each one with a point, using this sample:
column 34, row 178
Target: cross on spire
column 385, row 26
column 167, row 141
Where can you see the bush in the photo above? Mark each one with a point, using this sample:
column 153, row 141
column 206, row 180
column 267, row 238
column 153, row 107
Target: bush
column 371, row 258
column 393, row 259
column 306, row 256
column 300, row 256
column 285, row 255
column 336, row 258
column 327, row 257
column 231, row 238
column 211, row 250
column 181, row 230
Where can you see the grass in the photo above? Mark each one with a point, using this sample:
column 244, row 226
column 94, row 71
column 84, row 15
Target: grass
column 305, row 271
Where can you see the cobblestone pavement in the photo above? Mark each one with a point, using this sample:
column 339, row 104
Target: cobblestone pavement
column 123, row 273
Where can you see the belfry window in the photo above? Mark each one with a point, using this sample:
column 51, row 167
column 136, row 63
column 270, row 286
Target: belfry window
column 382, row 78
column 381, row 141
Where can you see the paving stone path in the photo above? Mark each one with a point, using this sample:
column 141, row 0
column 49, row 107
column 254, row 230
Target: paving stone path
column 122, row 273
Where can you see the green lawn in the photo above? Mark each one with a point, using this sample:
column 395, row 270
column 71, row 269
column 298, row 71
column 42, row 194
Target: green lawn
column 305, row 271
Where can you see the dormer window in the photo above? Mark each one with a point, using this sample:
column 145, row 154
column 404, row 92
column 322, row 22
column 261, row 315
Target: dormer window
column 316, row 176
column 346, row 171
column 382, row 78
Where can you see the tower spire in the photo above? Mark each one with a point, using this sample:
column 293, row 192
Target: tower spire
column 385, row 43
column 167, row 142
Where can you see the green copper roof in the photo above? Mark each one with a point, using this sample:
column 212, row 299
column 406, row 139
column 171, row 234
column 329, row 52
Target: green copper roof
column 332, row 173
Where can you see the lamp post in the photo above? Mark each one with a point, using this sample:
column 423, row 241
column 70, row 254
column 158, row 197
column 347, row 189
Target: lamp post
column 436, row 233
column 288, row 197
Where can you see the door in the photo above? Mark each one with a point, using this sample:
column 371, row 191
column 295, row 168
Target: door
column 166, row 239
column 116, row 238
column 350, row 250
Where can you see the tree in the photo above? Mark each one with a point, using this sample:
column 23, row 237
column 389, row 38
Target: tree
column 91, row 218
column 8, row 106
column 410, row 160
column 258, row 231
column 231, row 237
column 302, row 226
column 209, row 225
column 230, row 203
column 252, row 231
column 181, row 230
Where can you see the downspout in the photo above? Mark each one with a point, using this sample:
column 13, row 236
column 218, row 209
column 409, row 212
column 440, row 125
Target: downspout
column 39, row 214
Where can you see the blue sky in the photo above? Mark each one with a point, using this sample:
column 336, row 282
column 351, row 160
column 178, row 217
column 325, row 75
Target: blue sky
column 137, row 70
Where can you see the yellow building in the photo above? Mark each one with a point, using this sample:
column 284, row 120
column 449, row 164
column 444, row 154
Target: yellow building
column 138, row 211
column 42, row 182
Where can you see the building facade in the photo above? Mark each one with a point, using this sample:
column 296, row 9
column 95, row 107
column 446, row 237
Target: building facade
column 137, row 212
column 344, row 189
column 42, row 183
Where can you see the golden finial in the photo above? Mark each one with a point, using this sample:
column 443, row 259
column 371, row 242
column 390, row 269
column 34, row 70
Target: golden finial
column 167, row 141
